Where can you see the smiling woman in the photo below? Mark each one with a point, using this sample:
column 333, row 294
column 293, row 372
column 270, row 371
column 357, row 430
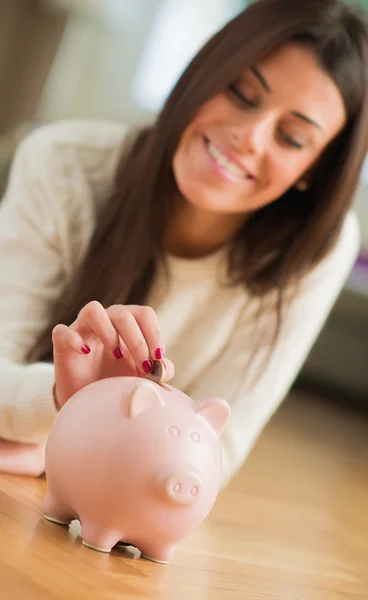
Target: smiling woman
column 263, row 134
column 219, row 236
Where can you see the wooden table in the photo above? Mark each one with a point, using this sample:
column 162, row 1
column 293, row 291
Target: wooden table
column 292, row 526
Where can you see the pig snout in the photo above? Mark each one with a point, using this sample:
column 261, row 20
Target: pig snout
column 183, row 487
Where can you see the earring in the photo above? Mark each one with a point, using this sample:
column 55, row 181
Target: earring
column 302, row 186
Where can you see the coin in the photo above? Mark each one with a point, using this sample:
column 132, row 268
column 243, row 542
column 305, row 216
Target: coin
column 158, row 373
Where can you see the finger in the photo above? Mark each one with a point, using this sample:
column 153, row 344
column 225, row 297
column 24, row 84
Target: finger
column 64, row 338
column 169, row 370
column 132, row 336
column 94, row 321
column 148, row 322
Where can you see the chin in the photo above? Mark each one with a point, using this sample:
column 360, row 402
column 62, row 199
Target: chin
column 210, row 198
column 212, row 203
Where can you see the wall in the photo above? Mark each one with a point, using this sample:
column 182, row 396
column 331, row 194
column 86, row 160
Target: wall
column 118, row 60
column 30, row 33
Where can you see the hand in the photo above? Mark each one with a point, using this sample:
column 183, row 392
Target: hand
column 117, row 341
column 22, row 459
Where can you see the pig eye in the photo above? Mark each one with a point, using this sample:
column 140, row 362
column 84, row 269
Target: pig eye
column 195, row 437
column 173, row 430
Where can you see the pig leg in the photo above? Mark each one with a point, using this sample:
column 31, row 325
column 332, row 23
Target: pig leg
column 157, row 552
column 55, row 511
column 99, row 537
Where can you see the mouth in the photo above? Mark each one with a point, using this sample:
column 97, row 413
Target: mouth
column 228, row 166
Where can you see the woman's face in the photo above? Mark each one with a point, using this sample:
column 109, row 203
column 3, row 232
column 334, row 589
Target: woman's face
column 248, row 145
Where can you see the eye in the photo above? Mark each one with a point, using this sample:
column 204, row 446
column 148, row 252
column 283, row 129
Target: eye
column 239, row 97
column 173, row 430
column 195, row 437
column 291, row 142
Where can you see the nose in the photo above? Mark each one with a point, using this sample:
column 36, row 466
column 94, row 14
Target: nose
column 253, row 137
column 183, row 487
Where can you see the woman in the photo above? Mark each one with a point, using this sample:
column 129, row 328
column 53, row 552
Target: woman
column 219, row 237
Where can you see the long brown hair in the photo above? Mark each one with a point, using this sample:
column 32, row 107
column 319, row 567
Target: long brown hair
column 282, row 240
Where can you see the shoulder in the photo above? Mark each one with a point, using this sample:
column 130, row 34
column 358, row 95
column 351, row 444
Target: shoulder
column 337, row 264
column 88, row 134
column 64, row 170
column 74, row 162
column 320, row 288
column 84, row 145
column 348, row 243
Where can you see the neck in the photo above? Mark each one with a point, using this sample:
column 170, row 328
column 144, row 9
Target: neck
column 195, row 233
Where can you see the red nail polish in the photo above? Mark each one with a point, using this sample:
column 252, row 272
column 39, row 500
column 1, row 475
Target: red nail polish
column 86, row 349
column 118, row 353
column 147, row 366
column 160, row 354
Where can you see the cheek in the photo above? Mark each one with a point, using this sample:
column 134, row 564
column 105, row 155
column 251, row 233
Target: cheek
column 285, row 171
column 184, row 165
column 181, row 158
column 216, row 114
column 215, row 111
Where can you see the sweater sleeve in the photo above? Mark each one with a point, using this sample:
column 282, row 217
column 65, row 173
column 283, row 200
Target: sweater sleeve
column 253, row 406
column 31, row 279
column 60, row 177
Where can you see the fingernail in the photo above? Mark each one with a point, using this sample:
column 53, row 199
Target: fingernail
column 118, row 353
column 160, row 354
column 147, row 366
column 86, row 349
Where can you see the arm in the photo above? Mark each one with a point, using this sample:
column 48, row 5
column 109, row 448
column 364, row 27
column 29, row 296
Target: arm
column 61, row 174
column 253, row 407
column 31, row 279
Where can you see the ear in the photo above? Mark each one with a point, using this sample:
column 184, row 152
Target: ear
column 215, row 411
column 144, row 397
column 306, row 179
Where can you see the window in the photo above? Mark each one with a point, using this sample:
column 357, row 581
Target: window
column 179, row 30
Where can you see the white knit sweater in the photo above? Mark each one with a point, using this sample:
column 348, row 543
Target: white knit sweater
column 59, row 181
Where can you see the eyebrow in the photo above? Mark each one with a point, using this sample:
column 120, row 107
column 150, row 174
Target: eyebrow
column 261, row 79
column 307, row 119
column 266, row 86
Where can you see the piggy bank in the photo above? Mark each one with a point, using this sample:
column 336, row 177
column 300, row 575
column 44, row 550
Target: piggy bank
column 136, row 463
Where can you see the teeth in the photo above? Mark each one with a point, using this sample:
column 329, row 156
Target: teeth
column 223, row 161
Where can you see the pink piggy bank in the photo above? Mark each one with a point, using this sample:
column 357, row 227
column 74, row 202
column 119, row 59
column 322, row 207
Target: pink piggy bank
column 135, row 462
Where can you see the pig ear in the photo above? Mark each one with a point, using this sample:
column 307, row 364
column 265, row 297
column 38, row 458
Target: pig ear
column 144, row 397
column 215, row 411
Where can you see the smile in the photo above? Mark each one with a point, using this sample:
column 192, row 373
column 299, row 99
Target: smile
column 232, row 169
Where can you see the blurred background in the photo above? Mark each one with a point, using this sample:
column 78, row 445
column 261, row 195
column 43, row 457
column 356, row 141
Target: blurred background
column 117, row 60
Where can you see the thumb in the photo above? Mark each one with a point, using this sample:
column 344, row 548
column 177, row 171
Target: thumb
column 170, row 369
